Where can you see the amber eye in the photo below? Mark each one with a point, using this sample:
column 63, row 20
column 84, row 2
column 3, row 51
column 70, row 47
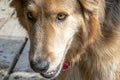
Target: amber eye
column 31, row 17
column 61, row 16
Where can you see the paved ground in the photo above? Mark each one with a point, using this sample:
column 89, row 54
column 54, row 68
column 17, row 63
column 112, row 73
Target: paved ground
column 11, row 38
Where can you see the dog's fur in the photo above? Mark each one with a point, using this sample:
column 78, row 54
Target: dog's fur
column 89, row 37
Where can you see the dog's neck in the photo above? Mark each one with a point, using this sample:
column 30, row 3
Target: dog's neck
column 99, row 62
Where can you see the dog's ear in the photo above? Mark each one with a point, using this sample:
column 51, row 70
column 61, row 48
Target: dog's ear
column 19, row 5
column 16, row 3
column 90, row 5
column 91, row 16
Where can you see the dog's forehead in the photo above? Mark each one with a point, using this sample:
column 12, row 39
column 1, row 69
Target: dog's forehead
column 59, row 5
column 52, row 4
column 53, row 7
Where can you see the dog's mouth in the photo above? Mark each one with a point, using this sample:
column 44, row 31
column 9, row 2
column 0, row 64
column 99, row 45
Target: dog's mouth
column 52, row 74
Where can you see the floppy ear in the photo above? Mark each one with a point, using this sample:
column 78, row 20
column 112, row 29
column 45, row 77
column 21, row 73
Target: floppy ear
column 91, row 17
column 90, row 5
column 16, row 3
column 19, row 5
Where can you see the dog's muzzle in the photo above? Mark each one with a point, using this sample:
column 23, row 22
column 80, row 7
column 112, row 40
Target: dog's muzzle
column 41, row 66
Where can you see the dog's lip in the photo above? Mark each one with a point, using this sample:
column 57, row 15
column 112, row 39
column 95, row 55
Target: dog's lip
column 51, row 74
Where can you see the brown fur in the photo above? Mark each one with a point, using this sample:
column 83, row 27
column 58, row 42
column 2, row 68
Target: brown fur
column 95, row 47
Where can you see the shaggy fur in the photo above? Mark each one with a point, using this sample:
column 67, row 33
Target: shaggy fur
column 89, row 38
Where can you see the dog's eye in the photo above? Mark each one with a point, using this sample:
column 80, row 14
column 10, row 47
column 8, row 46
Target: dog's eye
column 30, row 17
column 61, row 16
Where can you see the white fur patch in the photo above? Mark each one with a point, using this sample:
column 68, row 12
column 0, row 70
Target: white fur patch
column 62, row 39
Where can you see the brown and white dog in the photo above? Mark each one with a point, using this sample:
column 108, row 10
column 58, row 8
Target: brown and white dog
column 72, row 33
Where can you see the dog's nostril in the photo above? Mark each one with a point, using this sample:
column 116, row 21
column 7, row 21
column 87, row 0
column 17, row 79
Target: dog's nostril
column 41, row 65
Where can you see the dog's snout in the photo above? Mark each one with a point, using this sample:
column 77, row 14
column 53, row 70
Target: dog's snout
column 41, row 65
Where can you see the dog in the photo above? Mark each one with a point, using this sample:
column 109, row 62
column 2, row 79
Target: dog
column 72, row 38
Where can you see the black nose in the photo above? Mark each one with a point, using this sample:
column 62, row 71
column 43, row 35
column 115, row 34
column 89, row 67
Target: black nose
column 41, row 65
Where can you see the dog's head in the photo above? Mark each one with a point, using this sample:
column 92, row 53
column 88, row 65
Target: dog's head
column 59, row 31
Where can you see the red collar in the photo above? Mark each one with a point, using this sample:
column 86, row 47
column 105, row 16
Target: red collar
column 66, row 65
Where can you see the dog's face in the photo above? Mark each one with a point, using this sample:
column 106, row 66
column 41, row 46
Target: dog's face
column 56, row 28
